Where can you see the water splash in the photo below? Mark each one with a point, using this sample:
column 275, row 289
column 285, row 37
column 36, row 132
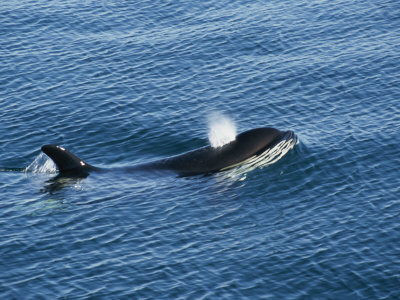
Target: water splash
column 221, row 129
column 41, row 164
column 268, row 157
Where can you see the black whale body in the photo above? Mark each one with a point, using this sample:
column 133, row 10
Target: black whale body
column 205, row 160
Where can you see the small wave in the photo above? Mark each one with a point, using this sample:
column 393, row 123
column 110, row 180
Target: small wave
column 268, row 157
column 221, row 129
column 41, row 164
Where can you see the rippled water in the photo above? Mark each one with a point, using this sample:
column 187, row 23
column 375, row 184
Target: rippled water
column 120, row 83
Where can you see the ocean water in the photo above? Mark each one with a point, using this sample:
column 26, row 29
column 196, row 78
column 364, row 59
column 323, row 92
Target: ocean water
column 125, row 82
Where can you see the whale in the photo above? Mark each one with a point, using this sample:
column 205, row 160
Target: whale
column 251, row 148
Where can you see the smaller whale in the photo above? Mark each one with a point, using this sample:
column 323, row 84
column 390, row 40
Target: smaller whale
column 253, row 148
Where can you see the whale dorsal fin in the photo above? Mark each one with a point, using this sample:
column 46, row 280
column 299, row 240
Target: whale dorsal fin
column 66, row 161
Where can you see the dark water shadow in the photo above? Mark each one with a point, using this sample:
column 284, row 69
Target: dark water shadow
column 16, row 170
column 61, row 181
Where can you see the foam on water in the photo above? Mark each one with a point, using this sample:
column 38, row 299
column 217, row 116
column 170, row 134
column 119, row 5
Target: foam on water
column 221, row 129
column 268, row 157
column 41, row 164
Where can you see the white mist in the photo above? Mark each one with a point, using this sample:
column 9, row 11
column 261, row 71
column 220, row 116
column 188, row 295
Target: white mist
column 221, row 129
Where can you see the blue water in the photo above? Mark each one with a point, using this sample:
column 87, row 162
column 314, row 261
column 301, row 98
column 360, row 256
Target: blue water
column 125, row 82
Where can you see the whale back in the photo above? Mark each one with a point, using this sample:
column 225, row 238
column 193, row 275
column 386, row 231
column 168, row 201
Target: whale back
column 209, row 159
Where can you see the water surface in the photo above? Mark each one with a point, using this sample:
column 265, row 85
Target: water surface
column 120, row 83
